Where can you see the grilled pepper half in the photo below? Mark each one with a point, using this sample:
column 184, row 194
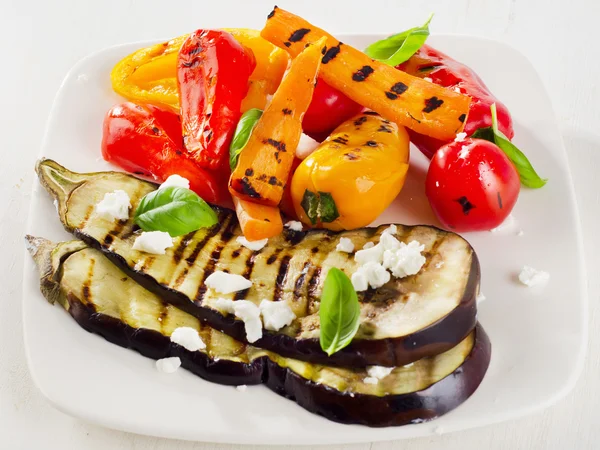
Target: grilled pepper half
column 354, row 175
column 447, row 72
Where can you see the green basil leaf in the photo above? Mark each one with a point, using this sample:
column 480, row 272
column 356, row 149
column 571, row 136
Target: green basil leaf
column 327, row 209
column 310, row 205
column 339, row 312
column 527, row 173
column 398, row 48
column 175, row 210
column 243, row 130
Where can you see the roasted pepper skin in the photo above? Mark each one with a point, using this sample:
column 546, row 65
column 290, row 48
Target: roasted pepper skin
column 146, row 141
column 447, row 72
column 363, row 165
column 213, row 70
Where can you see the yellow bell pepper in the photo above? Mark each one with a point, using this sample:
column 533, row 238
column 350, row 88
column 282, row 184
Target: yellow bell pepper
column 353, row 176
column 149, row 75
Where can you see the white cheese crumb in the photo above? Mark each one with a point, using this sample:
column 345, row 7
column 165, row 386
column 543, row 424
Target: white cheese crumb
column 406, row 260
column 379, row 372
column 428, row 79
column 241, row 387
column 375, row 274
column 168, row 365
column 457, row 90
column 114, row 205
column 276, row 315
column 460, row 137
column 480, row 297
column 252, row 245
column 250, row 314
column 226, row 283
column 531, row 277
column 155, row 242
column 360, row 281
column 188, row 338
column 294, row 225
column 224, row 304
column 509, row 226
column 372, row 254
column 345, row 245
column 175, row 181
column 306, row 146
column 392, row 229
column 368, row 245
column 371, row 380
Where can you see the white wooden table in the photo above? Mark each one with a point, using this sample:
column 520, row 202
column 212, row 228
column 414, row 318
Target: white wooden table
column 42, row 40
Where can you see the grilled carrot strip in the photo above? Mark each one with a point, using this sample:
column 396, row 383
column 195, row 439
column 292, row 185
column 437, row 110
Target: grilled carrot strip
column 257, row 221
column 410, row 101
column 266, row 160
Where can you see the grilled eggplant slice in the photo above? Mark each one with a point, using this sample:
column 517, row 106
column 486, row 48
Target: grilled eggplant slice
column 403, row 321
column 104, row 300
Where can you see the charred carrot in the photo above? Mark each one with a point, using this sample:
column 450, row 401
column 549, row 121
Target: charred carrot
column 266, row 160
column 410, row 101
column 257, row 221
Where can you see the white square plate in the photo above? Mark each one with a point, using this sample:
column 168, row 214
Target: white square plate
column 538, row 337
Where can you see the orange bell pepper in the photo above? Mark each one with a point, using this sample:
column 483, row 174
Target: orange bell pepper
column 149, row 75
column 267, row 158
column 352, row 177
column 257, row 221
column 410, row 101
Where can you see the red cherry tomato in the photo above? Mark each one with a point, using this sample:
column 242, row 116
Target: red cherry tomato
column 328, row 109
column 472, row 185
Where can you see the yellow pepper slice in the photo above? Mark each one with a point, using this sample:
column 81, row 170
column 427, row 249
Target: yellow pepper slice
column 354, row 175
column 149, row 75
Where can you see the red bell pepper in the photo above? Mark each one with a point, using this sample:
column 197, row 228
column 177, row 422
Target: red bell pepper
column 146, row 141
column 212, row 76
column 328, row 109
column 445, row 71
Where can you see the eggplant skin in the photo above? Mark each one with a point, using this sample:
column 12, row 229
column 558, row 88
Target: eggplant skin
column 391, row 410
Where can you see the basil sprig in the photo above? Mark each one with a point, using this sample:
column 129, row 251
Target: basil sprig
column 527, row 173
column 339, row 312
column 319, row 207
column 175, row 210
column 398, row 48
column 243, row 130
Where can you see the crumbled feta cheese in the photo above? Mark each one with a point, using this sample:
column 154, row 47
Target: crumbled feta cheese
column 428, row 79
column 368, row 245
column 375, row 274
column 114, row 205
column 371, row 380
column 379, row 372
column 531, row 277
column 276, row 315
column 252, row 245
column 188, row 338
column 345, row 245
column 480, row 297
column 294, row 225
column 226, row 283
column 175, row 181
column 241, row 388
column 457, row 90
column 155, row 242
column 168, row 365
column 509, row 226
column 371, row 254
column 460, row 137
column 360, row 281
column 306, row 146
column 224, row 304
column 388, row 242
column 250, row 314
column 392, row 229
column 406, row 260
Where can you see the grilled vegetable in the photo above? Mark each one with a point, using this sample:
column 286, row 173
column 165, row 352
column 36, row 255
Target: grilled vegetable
column 404, row 320
column 266, row 160
column 404, row 99
column 257, row 221
column 361, row 167
column 103, row 300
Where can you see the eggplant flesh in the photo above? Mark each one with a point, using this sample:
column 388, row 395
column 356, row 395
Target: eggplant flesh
column 403, row 321
column 104, row 300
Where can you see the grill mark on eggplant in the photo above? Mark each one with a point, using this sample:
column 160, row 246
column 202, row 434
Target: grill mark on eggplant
column 112, row 234
column 146, row 264
column 164, row 312
column 313, row 282
column 86, row 289
column 239, row 295
column 180, row 278
column 429, row 254
column 88, row 214
column 183, row 243
column 209, row 235
column 271, row 259
column 281, row 277
column 299, row 284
